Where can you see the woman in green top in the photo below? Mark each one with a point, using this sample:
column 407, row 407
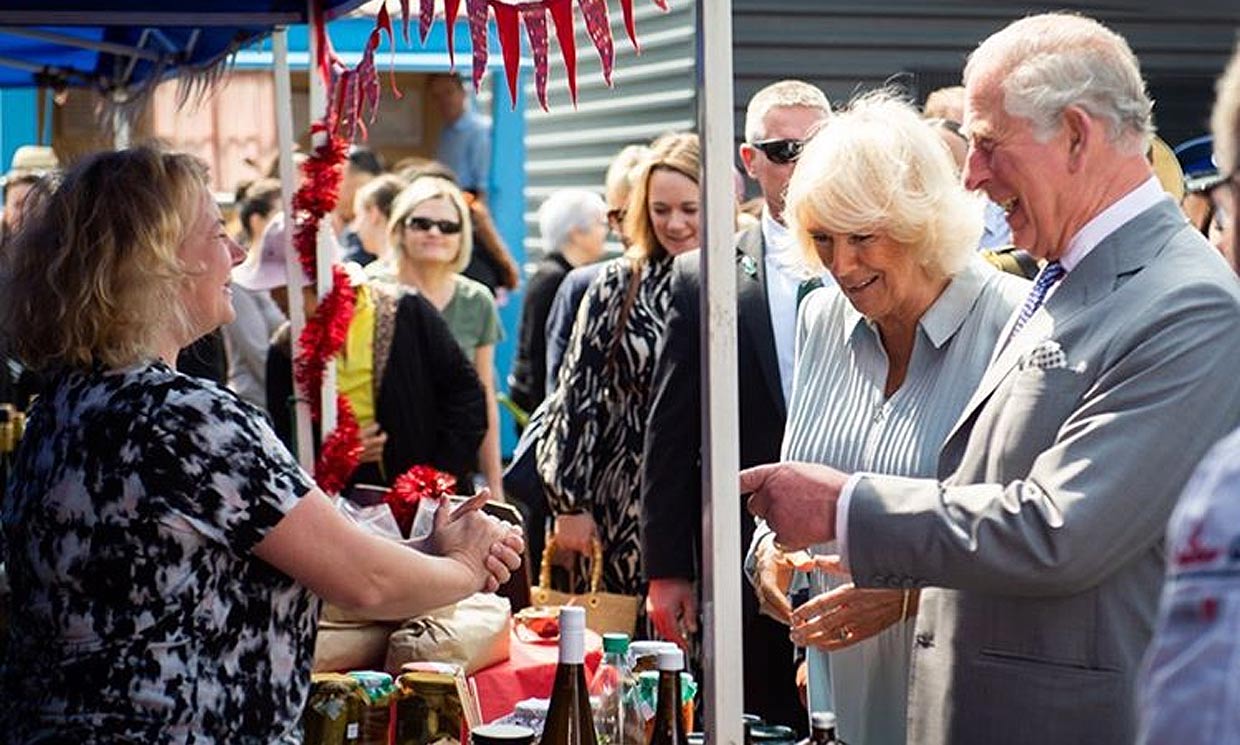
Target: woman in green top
column 431, row 231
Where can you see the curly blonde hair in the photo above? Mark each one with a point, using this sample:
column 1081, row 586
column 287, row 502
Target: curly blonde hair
column 878, row 166
column 94, row 275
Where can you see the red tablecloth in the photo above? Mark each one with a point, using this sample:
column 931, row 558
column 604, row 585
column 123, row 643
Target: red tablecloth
column 528, row 673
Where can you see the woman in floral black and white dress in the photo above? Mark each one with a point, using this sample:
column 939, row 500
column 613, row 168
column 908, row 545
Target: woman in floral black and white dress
column 167, row 554
column 590, row 452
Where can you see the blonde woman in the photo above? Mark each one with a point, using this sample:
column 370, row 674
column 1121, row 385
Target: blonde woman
column 167, row 554
column 590, row 451
column 885, row 362
column 431, row 232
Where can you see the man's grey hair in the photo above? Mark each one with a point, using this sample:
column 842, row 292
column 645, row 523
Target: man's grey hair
column 1225, row 121
column 567, row 210
column 1052, row 61
column 785, row 93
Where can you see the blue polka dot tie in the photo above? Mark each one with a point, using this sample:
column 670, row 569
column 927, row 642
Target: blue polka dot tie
column 1050, row 274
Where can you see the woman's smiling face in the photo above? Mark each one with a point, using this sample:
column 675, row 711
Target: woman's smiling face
column 674, row 202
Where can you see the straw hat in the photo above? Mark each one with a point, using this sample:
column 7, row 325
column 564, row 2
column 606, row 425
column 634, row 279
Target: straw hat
column 31, row 159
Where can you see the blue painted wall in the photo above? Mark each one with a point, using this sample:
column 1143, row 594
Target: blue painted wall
column 19, row 118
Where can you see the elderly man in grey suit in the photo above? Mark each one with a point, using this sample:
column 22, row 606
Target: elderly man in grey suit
column 1040, row 544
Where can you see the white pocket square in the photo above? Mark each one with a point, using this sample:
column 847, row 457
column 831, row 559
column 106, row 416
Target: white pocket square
column 1047, row 355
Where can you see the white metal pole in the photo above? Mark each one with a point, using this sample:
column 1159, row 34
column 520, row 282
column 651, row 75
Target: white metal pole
column 721, row 607
column 288, row 184
column 326, row 243
column 120, row 125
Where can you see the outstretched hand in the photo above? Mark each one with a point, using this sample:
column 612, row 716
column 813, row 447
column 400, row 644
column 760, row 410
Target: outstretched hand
column 797, row 500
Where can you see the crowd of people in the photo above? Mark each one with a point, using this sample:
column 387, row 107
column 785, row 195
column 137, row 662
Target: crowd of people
column 981, row 354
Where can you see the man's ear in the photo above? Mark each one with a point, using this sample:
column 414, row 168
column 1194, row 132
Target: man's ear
column 1080, row 129
column 748, row 153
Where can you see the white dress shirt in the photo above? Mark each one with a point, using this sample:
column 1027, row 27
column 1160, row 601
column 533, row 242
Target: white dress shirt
column 785, row 273
column 1106, row 222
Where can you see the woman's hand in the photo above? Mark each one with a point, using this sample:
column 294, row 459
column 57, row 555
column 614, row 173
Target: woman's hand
column 575, row 532
column 373, row 441
column 489, row 547
column 772, row 576
column 846, row 615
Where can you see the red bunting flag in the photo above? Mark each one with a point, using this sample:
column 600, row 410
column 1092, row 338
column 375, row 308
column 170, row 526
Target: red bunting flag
column 599, row 27
column 509, row 27
column 626, row 7
column 478, row 10
column 426, row 16
column 535, row 17
column 449, row 21
column 562, row 16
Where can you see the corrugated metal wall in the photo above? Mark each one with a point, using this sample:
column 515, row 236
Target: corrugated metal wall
column 849, row 46
column 844, row 47
column 653, row 94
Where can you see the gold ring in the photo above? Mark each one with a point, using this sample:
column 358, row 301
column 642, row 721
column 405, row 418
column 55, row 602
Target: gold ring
column 844, row 633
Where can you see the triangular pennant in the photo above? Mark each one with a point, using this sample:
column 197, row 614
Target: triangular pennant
column 478, row 10
column 662, row 4
column 562, row 16
column 626, row 7
column 599, row 28
column 509, row 44
column 535, row 17
column 426, row 16
column 449, row 19
column 384, row 22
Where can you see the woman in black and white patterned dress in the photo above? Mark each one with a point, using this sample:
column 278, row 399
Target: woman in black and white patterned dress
column 165, row 551
column 590, row 453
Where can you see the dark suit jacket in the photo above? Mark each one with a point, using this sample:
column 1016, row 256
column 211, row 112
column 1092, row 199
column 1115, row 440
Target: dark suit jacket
column 671, row 496
column 527, row 385
column 671, row 476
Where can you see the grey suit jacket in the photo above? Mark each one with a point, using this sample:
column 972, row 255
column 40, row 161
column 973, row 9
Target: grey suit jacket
column 1045, row 528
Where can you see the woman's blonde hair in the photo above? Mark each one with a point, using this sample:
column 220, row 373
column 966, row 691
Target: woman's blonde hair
column 422, row 189
column 678, row 152
column 94, row 275
column 879, row 167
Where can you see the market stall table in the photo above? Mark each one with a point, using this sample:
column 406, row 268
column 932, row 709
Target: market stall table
column 527, row 673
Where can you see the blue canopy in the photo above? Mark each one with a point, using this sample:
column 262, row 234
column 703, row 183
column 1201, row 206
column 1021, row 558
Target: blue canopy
column 125, row 45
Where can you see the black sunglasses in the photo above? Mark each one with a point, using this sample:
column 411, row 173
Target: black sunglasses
column 780, row 152
column 424, row 224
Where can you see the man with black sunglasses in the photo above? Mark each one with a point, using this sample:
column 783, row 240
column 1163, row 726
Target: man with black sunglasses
column 769, row 285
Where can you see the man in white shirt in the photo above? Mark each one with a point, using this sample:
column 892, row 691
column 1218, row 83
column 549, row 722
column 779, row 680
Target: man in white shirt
column 769, row 283
column 1190, row 688
column 1039, row 545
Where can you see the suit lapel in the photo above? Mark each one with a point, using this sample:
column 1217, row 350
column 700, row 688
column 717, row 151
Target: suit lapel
column 755, row 310
column 1126, row 250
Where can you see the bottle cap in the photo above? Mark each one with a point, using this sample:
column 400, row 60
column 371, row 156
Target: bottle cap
column 671, row 659
column 643, row 647
column 822, row 719
column 572, row 618
column 617, row 643
column 501, row 734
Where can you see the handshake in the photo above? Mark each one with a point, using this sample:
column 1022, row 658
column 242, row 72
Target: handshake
column 797, row 501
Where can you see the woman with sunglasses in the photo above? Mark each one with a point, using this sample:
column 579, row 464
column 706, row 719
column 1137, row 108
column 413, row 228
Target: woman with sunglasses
column 432, row 233
column 590, row 453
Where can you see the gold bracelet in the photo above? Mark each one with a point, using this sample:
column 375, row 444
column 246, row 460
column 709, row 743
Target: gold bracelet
column 904, row 606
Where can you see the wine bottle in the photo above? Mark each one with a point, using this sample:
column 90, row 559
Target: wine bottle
column 669, row 727
column 569, row 718
column 822, row 728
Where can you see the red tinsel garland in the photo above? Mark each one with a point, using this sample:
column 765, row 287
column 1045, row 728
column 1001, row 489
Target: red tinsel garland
column 416, row 483
column 342, row 450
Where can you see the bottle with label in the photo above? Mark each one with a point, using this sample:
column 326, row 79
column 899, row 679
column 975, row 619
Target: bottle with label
column 569, row 718
column 615, row 690
column 822, row 728
column 669, row 726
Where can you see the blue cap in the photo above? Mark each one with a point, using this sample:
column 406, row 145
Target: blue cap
column 1196, row 158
